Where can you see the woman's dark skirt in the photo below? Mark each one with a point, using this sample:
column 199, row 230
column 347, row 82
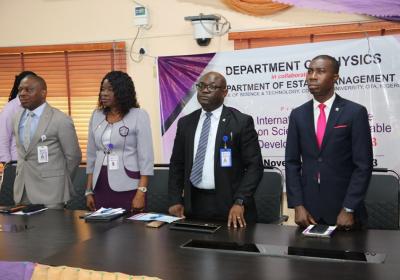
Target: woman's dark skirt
column 104, row 196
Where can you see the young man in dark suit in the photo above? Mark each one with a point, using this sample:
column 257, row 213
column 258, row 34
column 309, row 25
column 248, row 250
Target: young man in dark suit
column 216, row 162
column 328, row 153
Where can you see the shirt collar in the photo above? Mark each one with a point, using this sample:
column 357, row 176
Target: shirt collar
column 215, row 114
column 39, row 110
column 328, row 102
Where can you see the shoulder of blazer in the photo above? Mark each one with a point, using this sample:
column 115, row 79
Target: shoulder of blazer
column 135, row 118
column 189, row 119
column 235, row 113
column 97, row 117
column 231, row 110
column 134, row 113
column 303, row 107
column 345, row 102
column 57, row 112
column 57, row 115
column 50, row 112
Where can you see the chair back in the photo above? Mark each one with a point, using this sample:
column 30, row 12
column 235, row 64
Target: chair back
column 7, row 185
column 268, row 197
column 157, row 192
column 382, row 202
column 78, row 199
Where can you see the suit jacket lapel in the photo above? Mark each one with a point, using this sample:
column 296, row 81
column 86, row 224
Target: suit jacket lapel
column 99, row 128
column 16, row 128
column 191, row 133
column 223, row 123
column 42, row 125
column 334, row 114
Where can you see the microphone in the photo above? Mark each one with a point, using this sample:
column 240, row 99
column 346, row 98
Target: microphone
column 161, row 165
column 379, row 169
column 269, row 167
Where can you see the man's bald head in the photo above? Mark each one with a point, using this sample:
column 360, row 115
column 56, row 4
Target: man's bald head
column 211, row 91
column 40, row 80
column 217, row 77
column 32, row 92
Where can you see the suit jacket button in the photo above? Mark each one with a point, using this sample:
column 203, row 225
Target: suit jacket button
column 319, row 159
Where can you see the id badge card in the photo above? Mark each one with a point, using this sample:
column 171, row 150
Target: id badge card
column 226, row 157
column 113, row 163
column 43, row 154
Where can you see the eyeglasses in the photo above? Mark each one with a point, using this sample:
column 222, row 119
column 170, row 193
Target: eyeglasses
column 210, row 87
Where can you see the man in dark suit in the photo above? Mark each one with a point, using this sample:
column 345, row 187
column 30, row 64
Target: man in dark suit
column 328, row 153
column 216, row 161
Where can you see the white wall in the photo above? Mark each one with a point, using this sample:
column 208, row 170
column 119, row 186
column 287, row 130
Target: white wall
column 43, row 22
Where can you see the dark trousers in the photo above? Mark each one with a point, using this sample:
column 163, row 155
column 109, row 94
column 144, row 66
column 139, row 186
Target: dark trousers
column 7, row 185
column 204, row 205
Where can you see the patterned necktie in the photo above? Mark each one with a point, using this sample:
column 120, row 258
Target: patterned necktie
column 197, row 169
column 321, row 124
column 27, row 129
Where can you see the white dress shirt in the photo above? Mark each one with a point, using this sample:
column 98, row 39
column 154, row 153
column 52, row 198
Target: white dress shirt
column 208, row 181
column 328, row 105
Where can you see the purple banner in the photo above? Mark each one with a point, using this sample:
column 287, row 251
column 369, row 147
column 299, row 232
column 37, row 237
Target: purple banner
column 381, row 8
column 16, row 270
column 177, row 75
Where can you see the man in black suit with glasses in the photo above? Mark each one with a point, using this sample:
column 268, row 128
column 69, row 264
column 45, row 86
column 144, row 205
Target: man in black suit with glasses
column 216, row 162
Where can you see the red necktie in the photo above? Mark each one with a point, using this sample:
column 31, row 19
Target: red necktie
column 321, row 124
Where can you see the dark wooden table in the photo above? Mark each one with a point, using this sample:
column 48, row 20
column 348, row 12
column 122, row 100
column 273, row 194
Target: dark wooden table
column 49, row 232
column 60, row 238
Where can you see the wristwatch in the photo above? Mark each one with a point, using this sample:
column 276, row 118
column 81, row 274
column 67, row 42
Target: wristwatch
column 348, row 210
column 88, row 192
column 142, row 189
column 239, row 201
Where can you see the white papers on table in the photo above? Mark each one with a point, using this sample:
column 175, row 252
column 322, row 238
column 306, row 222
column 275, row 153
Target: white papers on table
column 327, row 233
column 29, row 213
column 104, row 212
column 154, row 217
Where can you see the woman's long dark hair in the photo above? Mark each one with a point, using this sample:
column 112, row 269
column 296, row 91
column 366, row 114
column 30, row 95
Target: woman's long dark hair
column 124, row 92
column 18, row 78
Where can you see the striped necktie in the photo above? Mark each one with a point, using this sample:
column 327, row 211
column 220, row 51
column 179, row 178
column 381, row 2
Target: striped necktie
column 197, row 169
column 27, row 129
